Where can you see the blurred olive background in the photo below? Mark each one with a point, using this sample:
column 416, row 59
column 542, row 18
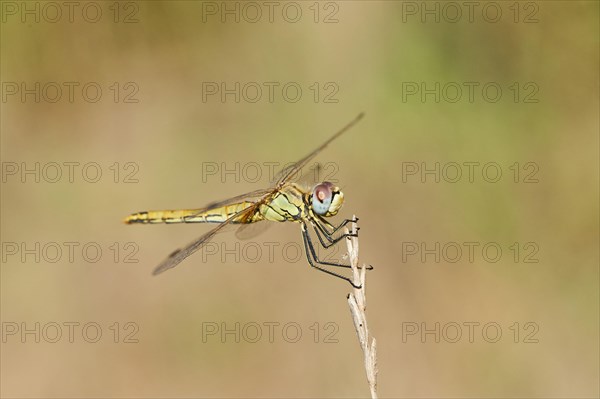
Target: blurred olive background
column 167, row 52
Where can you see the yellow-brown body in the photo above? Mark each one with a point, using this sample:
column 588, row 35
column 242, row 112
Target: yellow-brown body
column 286, row 204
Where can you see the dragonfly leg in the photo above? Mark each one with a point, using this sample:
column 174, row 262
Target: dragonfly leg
column 314, row 260
column 315, row 223
column 311, row 250
column 332, row 241
column 335, row 229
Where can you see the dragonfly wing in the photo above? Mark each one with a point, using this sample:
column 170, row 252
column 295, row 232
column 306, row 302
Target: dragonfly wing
column 284, row 172
column 252, row 195
column 255, row 196
column 306, row 178
column 311, row 177
column 290, row 172
column 251, row 230
column 180, row 254
column 260, row 196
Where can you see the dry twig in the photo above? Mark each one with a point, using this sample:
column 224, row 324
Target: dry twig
column 358, row 305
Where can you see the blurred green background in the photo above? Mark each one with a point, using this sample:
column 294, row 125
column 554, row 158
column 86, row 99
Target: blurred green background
column 371, row 55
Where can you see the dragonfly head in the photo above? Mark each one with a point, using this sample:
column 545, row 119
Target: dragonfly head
column 326, row 199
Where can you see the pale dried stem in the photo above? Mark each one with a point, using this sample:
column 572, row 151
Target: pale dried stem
column 358, row 304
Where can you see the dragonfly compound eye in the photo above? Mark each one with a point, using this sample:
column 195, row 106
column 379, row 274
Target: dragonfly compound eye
column 321, row 198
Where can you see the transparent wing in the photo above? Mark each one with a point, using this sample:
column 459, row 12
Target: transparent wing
column 312, row 176
column 256, row 195
column 180, row 254
column 291, row 171
column 260, row 195
column 283, row 172
column 251, row 230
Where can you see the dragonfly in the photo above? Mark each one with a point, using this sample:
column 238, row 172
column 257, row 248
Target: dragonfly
column 286, row 201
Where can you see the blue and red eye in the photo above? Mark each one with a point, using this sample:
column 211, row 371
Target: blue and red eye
column 321, row 197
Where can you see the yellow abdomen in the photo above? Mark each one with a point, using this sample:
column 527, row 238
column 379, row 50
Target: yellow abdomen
column 216, row 215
